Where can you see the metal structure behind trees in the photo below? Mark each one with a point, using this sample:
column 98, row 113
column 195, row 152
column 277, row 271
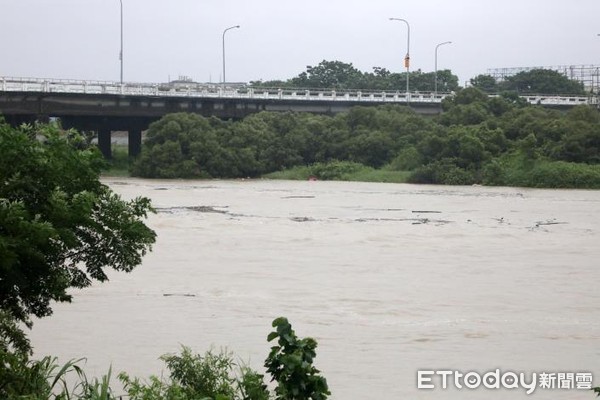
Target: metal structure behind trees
column 588, row 75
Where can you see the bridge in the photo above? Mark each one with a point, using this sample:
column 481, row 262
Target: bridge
column 109, row 106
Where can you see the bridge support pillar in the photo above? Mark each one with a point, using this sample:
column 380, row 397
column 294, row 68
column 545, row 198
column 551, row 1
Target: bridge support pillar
column 104, row 136
column 135, row 142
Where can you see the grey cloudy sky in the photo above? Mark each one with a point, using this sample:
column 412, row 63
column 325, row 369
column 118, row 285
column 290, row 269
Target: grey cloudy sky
column 79, row 39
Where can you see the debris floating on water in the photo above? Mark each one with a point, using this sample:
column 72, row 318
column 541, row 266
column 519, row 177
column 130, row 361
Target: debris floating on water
column 301, row 219
column 204, row 209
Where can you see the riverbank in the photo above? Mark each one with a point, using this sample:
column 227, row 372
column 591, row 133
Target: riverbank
column 341, row 171
column 119, row 164
column 512, row 170
column 508, row 173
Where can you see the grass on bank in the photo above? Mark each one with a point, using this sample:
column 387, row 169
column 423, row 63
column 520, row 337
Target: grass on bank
column 517, row 171
column 510, row 170
column 340, row 171
column 119, row 163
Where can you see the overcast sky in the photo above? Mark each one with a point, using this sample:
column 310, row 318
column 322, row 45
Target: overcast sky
column 80, row 39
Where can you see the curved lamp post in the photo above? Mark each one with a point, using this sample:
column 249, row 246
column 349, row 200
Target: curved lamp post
column 407, row 58
column 231, row 27
column 597, row 78
column 436, row 58
column 121, row 52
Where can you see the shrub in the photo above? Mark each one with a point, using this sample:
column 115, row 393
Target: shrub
column 561, row 174
column 443, row 172
column 335, row 170
column 408, row 159
column 290, row 364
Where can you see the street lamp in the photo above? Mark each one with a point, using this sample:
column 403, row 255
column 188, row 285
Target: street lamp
column 407, row 58
column 436, row 52
column 597, row 79
column 121, row 53
column 231, row 27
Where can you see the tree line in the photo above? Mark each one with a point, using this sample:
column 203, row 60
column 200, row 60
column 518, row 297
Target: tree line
column 477, row 139
column 341, row 75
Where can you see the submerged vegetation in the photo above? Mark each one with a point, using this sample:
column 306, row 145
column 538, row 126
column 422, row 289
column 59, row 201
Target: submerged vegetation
column 476, row 140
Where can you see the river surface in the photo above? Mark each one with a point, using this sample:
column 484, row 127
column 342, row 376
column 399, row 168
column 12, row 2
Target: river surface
column 388, row 278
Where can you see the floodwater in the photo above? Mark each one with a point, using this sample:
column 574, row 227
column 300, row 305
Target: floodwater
column 388, row 278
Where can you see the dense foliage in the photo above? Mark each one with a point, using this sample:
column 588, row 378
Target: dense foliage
column 340, row 75
column 344, row 76
column 290, row 364
column 60, row 227
column 478, row 139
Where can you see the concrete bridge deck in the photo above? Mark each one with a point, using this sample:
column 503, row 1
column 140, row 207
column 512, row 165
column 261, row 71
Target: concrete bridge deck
column 110, row 106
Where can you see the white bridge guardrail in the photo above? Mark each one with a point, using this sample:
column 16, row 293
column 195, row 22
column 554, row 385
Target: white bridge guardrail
column 37, row 85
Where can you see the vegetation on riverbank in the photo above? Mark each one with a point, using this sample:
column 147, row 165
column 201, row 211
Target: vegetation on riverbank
column 340, row 171
column 477, row 140
column 211, row 376
column 120, row 162
column 60, row 228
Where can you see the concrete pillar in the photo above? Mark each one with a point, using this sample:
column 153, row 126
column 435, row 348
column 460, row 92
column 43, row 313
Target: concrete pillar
column 104, row 136
column 135, row 142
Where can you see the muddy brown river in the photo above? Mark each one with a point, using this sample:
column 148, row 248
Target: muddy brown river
column 389, row 279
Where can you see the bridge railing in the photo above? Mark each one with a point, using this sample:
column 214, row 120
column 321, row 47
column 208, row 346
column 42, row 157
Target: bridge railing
column 37, row 85
column 164, row 90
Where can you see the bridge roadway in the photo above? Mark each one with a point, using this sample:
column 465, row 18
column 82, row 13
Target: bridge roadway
column 108, row 106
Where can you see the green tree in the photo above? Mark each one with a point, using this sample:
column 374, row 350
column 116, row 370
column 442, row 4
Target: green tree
column 290, row 364
column 60, row 227
column 447, row 81
column 485, row 83
column 465, row 96
column 542, row 81
column 425, row 81
column 329, row 74
column 341, row 75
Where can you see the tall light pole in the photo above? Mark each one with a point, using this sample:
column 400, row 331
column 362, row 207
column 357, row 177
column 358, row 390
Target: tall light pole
column 407, row 58
column 436, row 52
column 231, row 27
column 597, row 79
column 121, row 52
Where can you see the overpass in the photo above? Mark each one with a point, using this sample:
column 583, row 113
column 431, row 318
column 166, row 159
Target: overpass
column 108, row 106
